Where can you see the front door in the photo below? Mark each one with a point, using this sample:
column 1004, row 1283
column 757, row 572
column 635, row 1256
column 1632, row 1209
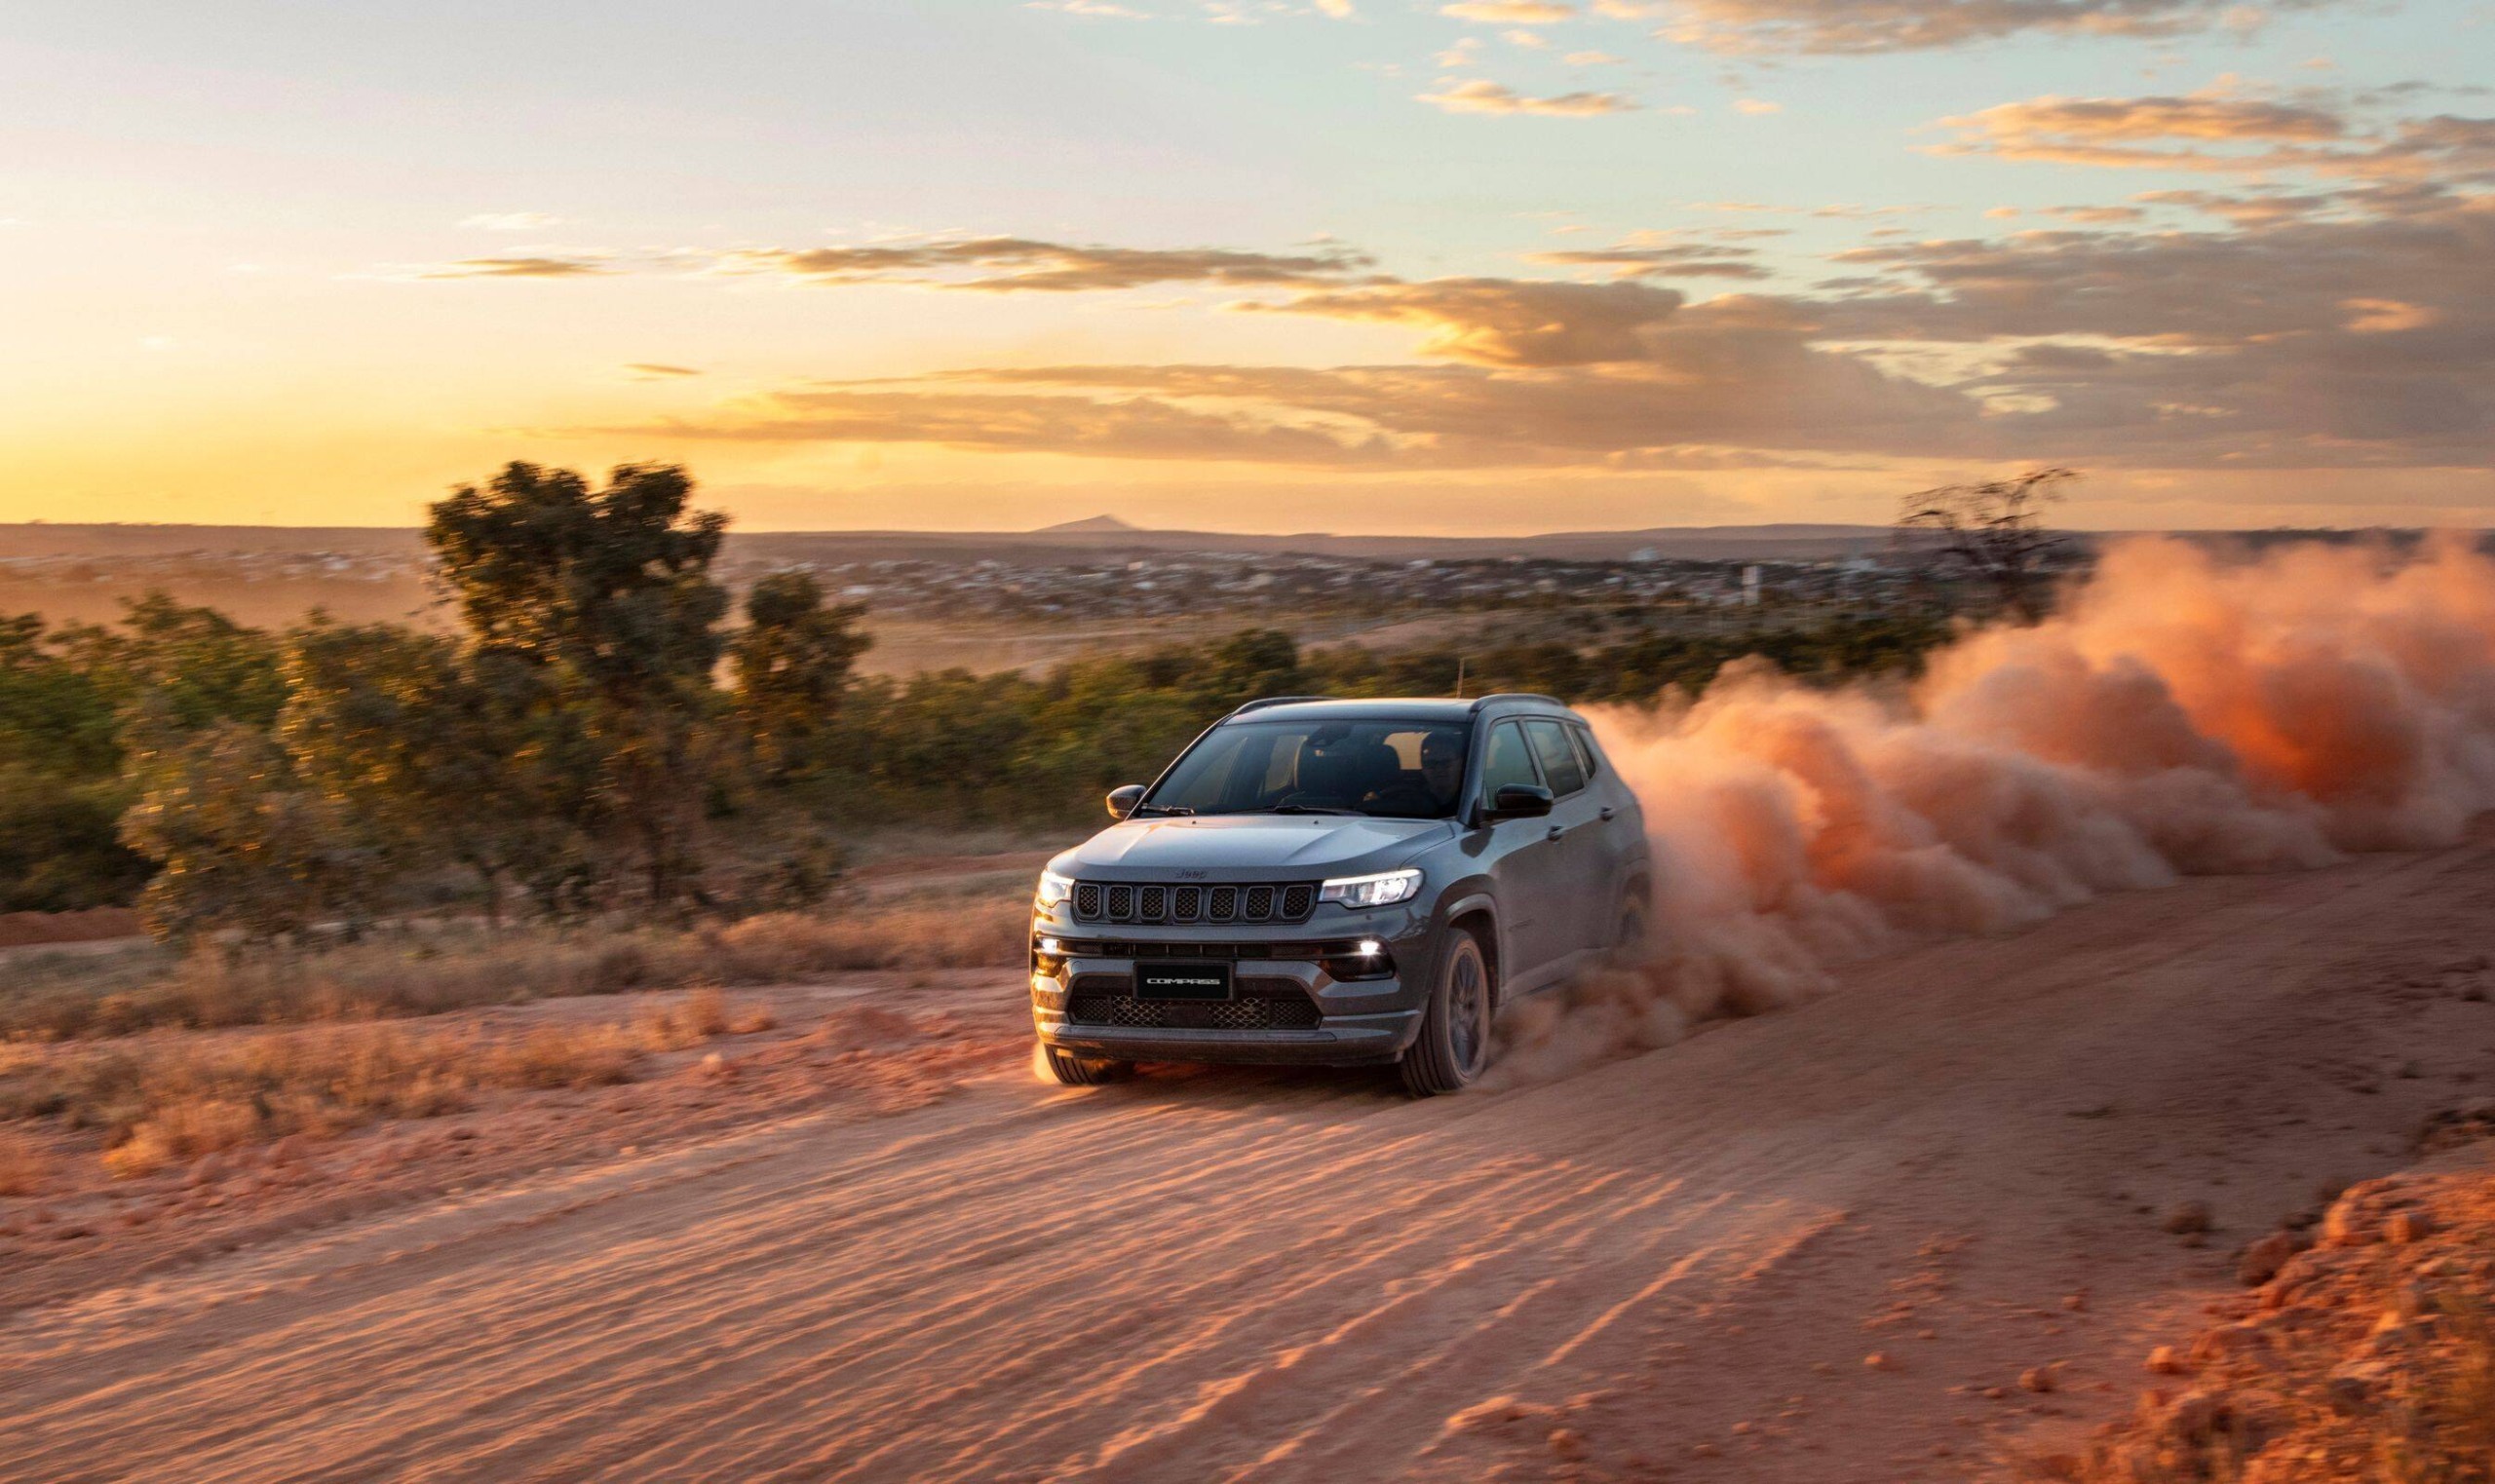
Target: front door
column 1575, row 835
column 1535, row 916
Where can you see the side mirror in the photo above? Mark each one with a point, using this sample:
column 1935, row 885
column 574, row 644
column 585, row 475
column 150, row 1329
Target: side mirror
column 1122, row 801
column 1518, row 801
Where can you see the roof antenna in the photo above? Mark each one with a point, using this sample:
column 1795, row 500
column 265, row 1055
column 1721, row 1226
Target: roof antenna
column 1459, row 677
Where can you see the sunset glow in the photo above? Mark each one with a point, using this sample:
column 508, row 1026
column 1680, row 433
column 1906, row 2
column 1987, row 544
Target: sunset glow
column 1356, row 265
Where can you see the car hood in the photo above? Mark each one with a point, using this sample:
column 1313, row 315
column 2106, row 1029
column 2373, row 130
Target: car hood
column 1249, row 847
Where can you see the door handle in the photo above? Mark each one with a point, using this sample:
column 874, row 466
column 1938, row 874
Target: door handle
column 1607, row 813
column 1556, row 830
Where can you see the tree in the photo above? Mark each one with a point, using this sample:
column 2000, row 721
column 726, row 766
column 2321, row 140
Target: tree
column 441, row 752
column 609, row 592
column 59, row 847
column 55, row 717
column 1995, row 529
column 238, row 842
column 793, row 663
column 177, row 668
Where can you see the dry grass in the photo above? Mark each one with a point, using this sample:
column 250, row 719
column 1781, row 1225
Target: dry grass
column 167, row 1099
column 429, row 973
column 25, row 1168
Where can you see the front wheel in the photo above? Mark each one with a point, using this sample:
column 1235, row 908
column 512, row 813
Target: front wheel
column 1084, row 1071
column 1454, row 1044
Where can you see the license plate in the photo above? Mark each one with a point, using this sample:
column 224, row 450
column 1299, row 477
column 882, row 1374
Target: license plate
column 1182, row 981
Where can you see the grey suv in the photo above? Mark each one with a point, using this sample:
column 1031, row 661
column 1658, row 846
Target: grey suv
column 1338, row 882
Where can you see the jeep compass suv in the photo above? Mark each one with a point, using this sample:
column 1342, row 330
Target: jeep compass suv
column 1338, row 882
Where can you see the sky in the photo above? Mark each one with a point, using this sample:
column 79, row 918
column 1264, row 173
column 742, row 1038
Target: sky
column 1477, row 266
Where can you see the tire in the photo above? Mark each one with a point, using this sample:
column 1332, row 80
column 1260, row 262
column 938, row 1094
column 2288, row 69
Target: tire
column 1084, row 1071
column 1454, row 1044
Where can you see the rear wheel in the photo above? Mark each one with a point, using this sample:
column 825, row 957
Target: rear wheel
column 1630, row 939
column 1454, row 1044
column 1084, row 1071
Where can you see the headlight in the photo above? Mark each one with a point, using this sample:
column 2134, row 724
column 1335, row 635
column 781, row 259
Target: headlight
column 1054, row 888
column 1383, row 889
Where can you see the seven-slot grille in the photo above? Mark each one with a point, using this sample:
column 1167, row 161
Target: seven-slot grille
column 1260, row 1005
column 1120, row 903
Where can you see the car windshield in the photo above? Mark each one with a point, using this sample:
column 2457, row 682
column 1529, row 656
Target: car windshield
column 1388, row 767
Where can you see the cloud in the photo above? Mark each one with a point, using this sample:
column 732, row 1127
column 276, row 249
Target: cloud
column 2112, row 130
column 1506, row 321
column 1592, row 60
column 1482, row 96
column 1019, row 264
column 2338, row 322
column 1635, row 259
column 2360, row 337
column 2217, row 130
column 2356, row 336
column 520, row 268
column 987, row 422
column 1735, row 386
column 1508, row 11
column 1900, row 26
column 1097, row 10
column 1757, row 106
column 1337, row 10
column 509, row 221
column 655, row 370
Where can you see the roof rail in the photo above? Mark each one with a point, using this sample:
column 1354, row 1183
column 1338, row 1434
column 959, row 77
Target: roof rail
column 1519, row 696
column 1260, row 704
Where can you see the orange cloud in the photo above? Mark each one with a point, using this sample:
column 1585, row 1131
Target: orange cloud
column 520, row 268
column 1482, row 96
column 2215, row 130
column 1900, row 26
column 1508, row 11
column 1017, row 264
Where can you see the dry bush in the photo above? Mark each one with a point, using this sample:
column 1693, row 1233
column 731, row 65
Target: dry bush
column 406, row 975
column 25, row 1168
column 690, row 1021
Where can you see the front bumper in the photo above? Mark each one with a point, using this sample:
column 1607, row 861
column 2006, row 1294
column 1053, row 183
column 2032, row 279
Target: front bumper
column 1319, row 1009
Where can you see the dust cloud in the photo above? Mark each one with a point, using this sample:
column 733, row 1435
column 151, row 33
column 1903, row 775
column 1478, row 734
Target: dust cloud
column 2184, row 714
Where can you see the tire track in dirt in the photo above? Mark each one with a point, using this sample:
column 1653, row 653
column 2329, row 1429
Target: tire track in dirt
column 1273, row 1277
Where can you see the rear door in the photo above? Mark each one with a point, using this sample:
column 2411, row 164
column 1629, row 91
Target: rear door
column 1574, row 834
column 1621, row 826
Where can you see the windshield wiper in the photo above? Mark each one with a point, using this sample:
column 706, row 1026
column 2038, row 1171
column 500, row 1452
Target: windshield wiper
column 1304, row 809
column 1160, row 808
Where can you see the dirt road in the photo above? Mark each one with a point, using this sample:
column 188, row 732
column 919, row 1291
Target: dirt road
column 1801, row 1247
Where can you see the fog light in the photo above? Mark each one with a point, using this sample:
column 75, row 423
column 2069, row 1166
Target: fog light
column 1051, row 945
column 1371, row 948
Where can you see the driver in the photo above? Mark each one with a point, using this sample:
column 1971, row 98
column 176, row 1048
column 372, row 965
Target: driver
column 1432, row 795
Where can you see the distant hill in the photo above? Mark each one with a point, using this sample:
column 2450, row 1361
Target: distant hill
column 1095, row 525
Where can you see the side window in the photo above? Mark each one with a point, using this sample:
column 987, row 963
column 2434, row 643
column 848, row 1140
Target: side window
column 1558, row 757
column 1506, row 761
column 1586, row 756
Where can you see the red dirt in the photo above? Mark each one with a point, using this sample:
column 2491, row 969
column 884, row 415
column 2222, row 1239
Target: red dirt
column 1911, row 1231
